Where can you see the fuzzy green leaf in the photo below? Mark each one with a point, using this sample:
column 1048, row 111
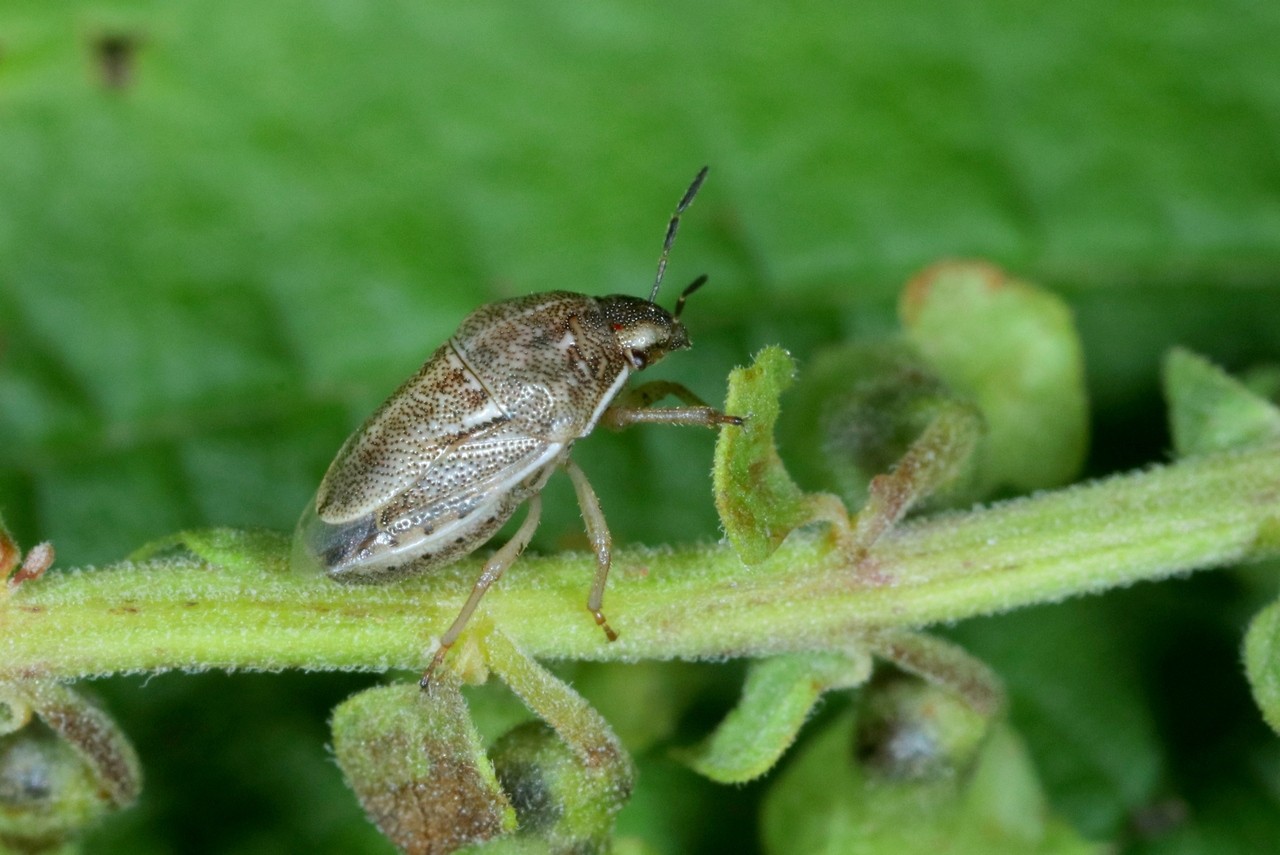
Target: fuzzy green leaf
column 943, row 664
column 758, row 502
column 777, row 698
column 418, row 768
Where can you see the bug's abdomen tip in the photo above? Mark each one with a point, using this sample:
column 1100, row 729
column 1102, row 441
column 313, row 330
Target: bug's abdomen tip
column 323, row 547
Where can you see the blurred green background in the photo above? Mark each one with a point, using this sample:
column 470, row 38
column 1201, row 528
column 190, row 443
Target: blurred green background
column 229, row 230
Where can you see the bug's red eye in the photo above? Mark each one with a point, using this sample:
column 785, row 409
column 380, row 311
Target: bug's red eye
column 617, row 327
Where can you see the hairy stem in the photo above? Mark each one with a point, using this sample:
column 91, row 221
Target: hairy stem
column 692, row 602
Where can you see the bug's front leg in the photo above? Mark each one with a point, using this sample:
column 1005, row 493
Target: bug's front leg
column 493, row 570
column 635, row 407
column 601, row 542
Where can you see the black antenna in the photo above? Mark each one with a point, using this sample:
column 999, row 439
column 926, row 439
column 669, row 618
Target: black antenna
column 684, row 295
column 685, row 201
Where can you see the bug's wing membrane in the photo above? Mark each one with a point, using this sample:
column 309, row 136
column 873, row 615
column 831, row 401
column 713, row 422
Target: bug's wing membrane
column 436, row 411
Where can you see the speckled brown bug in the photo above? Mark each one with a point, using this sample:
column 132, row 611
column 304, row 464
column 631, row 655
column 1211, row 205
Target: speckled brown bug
column 448, row 458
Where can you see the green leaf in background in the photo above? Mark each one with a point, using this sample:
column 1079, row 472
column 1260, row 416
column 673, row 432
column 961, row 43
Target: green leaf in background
column 227, row 231
column 1262, row 662
column 1209, row 410
column 862, row 411
column 854, row 412
column 838, row 796
column 1012, row 348
column 1082, row 702
column 212, row 273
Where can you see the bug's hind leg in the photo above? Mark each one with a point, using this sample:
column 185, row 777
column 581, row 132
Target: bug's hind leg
column 635, row 406
column 601, row 542
column 493, row 570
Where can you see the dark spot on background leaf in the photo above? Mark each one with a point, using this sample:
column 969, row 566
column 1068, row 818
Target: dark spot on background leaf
column 116, row 57
column 24, row 772
column 530, row 795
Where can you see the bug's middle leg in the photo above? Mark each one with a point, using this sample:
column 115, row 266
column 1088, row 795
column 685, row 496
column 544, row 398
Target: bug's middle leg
column 635, row 406
column 493, row 570
column 601, row 542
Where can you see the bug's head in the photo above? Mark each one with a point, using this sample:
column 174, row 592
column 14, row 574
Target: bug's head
column 646, row 332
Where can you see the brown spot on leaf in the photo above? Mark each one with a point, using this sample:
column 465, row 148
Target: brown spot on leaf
column 449, row 808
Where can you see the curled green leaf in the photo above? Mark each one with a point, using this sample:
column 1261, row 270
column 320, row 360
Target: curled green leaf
column 63, row 765
column 943, row 664
column 777, row 698
column 759, row 504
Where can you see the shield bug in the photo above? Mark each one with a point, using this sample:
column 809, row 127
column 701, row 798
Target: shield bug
column 451, row 455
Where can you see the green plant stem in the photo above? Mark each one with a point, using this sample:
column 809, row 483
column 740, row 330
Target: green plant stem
column 694, row 602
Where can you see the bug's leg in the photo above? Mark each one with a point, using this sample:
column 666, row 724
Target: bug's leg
column 493, row 570
column 601, row 542
column 648, row 394
column 635, row 407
